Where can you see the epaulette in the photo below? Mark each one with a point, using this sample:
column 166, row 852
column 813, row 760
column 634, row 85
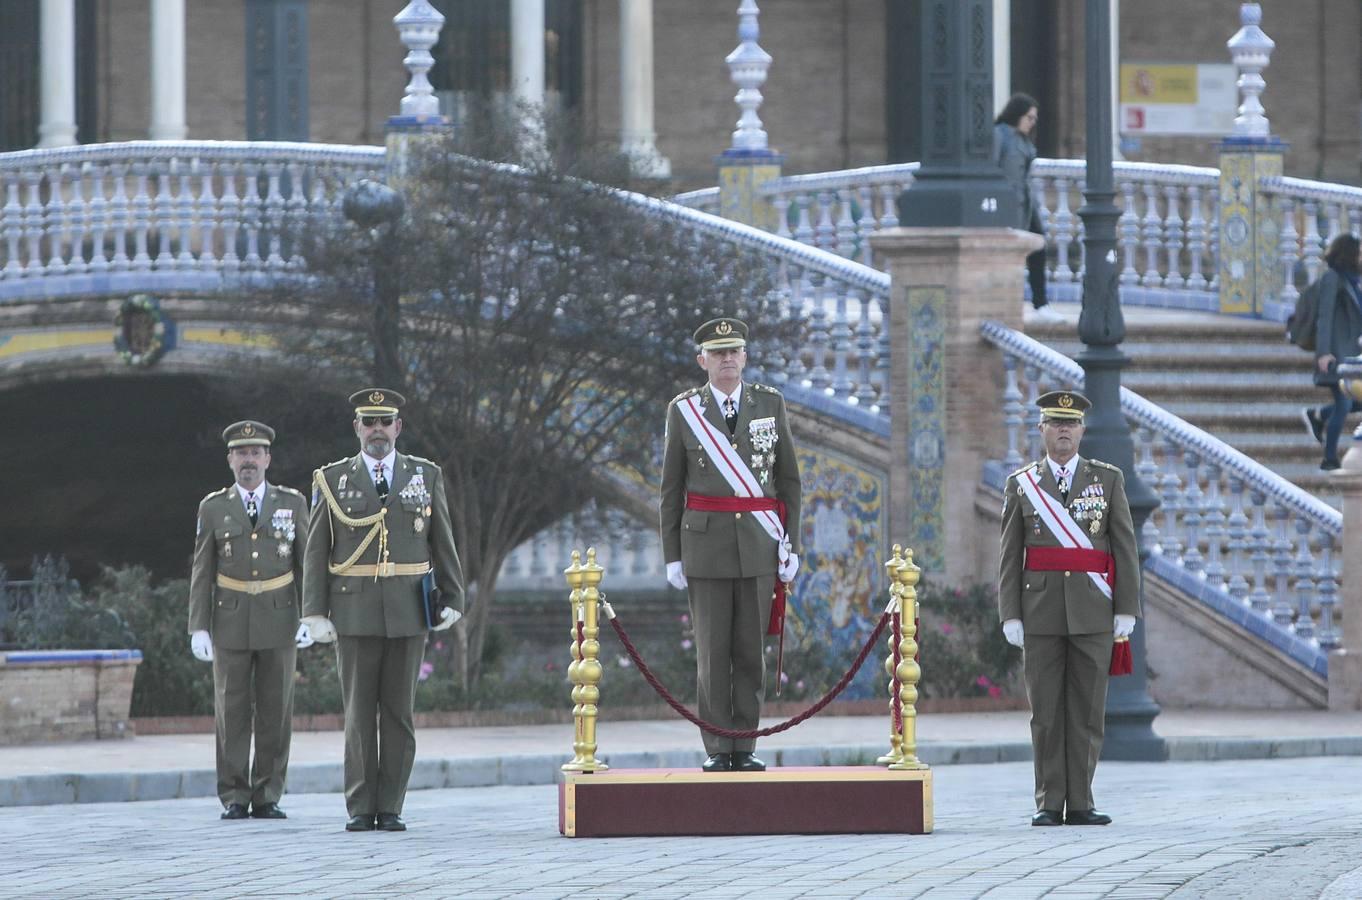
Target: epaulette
column 343, row 459
column 217, row 493
column 1027, row 467
column 1104, row 465
column 765, row 389
column 684, row 394
column 288, row 490
column 422, row 461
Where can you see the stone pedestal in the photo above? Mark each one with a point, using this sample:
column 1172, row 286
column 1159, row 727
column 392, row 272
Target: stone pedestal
column 741, row 175
column 946, row 384
column 1249, row 268
column 1345, row 663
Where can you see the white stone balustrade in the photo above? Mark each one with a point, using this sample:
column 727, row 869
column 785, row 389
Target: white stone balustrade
column 1309, row 215
column 163, row 214
column 629, row 549
column 1268, row 552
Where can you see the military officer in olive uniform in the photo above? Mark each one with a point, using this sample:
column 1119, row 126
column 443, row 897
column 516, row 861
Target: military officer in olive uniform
column 380, row 523
column 1068, row 585
column 729, row 464
column 243, row 617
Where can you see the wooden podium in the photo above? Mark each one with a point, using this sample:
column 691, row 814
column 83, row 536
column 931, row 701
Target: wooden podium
column 794, row 800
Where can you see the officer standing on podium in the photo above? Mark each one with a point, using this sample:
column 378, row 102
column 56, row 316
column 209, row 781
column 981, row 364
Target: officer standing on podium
column 243, row 617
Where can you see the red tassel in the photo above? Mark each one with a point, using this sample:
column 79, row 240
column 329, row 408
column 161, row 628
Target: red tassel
column 1122, row 663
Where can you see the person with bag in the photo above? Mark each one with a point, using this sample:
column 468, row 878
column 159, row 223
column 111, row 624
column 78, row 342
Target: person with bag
column 1338, row 325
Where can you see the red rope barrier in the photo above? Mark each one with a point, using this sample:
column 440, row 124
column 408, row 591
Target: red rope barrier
column 691, row 717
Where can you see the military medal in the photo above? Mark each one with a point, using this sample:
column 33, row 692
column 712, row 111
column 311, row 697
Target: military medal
column 340, row 485
column 764, row 436
column 419, row 525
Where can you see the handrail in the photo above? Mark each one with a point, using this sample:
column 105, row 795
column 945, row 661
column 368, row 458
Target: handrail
column 265, row 151
column 1173, row 428
column 816, row 181
column 1306, row 189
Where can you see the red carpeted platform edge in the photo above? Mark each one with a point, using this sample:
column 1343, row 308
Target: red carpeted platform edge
column 814, row 800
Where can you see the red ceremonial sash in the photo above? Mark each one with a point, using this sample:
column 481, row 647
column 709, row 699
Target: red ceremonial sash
column 1071, row 559
column 706, row 503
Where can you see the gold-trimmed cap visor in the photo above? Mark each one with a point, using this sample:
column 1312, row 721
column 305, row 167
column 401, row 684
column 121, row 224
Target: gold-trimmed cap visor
column 1068, row 405
column 248, row 433
column 721, row 334
column 377, row 402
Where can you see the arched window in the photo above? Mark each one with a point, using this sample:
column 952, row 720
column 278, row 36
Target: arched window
column 473, row 57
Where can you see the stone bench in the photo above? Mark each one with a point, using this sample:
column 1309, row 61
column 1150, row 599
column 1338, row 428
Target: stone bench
column 66, row 695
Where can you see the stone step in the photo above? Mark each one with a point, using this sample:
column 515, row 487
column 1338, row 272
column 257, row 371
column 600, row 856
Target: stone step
column 1204, row 355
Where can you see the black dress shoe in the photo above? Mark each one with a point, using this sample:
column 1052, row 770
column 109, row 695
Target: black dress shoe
column 391, row 822
column 267, row 811
column 718, row 762
column 1047, row 817
column 744, row 761
column 1086, row 817
column 360, row 823
column 234, row 811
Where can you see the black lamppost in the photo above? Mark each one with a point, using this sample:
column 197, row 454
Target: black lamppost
column 1101, row 326
column 377, row 209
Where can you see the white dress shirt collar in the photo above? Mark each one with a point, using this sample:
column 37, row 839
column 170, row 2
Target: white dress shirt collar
column 1071, row 467
column 258, row 494
column 720, row 397
column 388, row 462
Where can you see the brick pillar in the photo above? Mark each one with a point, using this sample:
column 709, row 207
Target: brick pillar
column 1250, row 271
column 946, row 384
column 1345, row 663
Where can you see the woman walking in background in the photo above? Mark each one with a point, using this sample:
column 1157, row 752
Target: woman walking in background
column 1013, row 151
column 1338, row 326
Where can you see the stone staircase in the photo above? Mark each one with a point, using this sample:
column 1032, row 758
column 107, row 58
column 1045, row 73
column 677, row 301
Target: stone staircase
column 1237, row 379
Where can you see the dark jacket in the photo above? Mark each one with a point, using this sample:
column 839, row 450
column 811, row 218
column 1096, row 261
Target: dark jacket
column 1014, row 154
column 1339, row 323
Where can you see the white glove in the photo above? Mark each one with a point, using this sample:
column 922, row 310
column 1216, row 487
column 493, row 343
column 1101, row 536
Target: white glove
column 320, row 628
column 448, row 616
column 1013, row 631
column 788, row 571
column 201, row 643
column 304, row 636
column 1124, row 626
column 675, row 576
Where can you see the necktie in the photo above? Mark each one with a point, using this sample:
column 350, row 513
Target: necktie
column 730, row 415
column 381, row 482
column 1064, row 484
column 252, row 510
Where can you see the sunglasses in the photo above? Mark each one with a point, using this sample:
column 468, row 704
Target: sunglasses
column 371, row 421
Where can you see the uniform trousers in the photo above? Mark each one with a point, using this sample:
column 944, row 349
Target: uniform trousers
column 1066, row 683
column 253, row 692
column 730, row 617
column 378, row 678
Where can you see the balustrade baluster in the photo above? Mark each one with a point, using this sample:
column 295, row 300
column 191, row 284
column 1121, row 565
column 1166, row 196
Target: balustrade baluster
column 1064, row 232
column 781, row 204
column 846, row 225
column 12, row 215
column 252, row 215
column 1327, row 634
column 1332, row 215
column 1238, row 543
column 1152, row 233
column 1314, row 250
column 1172, row 230
column 865, row 225
column 803, row 227
column 1196, row 239
column 818, row 333
column 33, row 224
column 1213, row 519
column 164, row 214
column 1012, row 412
column 56, row 225
column 1305, row 584
column 78, row 216
column 889, row 204
column 841, row 343
column 865, row 352
column 230, row 216
column 1148, row 470
column 797, row 314
column 1260, row 544
column 1079, row 231
column 1214, row 228
column 826, row 232
column 274, row 216
column 184, row 213
column 295, row 216
column 98, row 217
column 118, row 217
column 1288, row 250
column 1281, row 563
column 141, row 219
column 1170, row 488
column 1191, row 518
column 209, row 215
column 882, row 358
column 1129, row 224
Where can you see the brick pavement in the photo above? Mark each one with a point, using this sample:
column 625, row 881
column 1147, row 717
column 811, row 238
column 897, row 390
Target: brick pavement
column 1262, row 828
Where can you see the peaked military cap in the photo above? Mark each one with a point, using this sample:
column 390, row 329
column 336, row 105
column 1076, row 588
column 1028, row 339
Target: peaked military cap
column 377, row 402
column 721, row 334
column 248, row 434
column 1063, row 405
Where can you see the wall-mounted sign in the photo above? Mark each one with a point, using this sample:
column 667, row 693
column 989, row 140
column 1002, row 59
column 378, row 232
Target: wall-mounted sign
column 1178, row 99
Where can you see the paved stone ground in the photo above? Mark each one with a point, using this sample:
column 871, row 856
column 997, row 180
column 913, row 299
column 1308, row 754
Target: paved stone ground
column 1247, row 829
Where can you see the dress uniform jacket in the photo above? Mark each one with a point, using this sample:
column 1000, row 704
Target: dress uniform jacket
column 419, row 531
column 1068, row 602
column 227, row 544
column 718, row 544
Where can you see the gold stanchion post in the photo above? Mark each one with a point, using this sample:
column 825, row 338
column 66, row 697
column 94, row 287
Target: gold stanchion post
column 589, row 666
column 575, row 577
column 908, row 671
column 891, row 661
